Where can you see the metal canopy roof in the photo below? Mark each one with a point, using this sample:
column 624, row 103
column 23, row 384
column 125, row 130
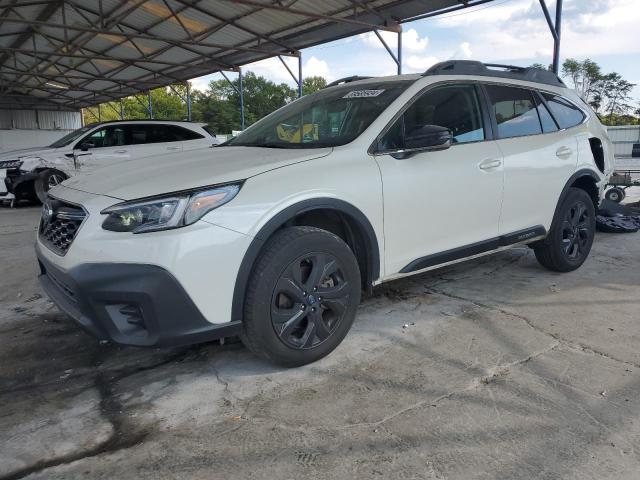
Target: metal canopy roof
column 77, row 53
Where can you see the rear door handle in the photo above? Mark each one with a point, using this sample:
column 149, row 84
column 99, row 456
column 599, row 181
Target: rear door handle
column 120, row 151
column 490, row 164
column 173, row 148
column 564, row 152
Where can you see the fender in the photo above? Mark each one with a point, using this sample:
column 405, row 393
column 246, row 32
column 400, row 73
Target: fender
column 584, row 172
column 281, row 218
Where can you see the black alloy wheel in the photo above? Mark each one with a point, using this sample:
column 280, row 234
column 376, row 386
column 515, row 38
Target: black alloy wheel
column 309, row 300
column 302, row 296
column 571, row 235
column 576, row 230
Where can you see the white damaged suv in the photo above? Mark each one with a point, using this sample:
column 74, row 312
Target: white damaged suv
column 274, row 235
column 29, row 173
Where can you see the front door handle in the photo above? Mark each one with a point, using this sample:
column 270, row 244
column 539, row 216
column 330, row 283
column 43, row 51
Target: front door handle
column 120, row 151
column 490, row 164
column 173, row 148
column 564, row 153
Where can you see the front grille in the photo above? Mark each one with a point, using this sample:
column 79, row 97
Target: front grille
column 59, row 224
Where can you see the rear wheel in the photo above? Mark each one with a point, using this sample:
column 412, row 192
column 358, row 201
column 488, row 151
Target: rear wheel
column 302, row 296
column 46, row 180
column 569, row 242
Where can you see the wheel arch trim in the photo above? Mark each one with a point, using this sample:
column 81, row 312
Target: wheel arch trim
column 289, row 213
column 582, row 173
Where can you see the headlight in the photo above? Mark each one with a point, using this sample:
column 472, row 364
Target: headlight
column 163, row 213
column 11, row 164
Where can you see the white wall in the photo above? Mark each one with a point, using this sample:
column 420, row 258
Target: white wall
column 34, row 128
column 17, row 139
column 623, row 139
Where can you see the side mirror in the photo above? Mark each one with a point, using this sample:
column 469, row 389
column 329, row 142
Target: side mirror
column 85, row 146
column 428, row 137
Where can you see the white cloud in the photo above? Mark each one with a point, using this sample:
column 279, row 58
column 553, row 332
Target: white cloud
column 316, row 67
column 518, row 30
column 463, row 52
column 416, row 63
column 411, row 40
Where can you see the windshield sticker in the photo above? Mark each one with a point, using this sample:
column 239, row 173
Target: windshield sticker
column 363, row 93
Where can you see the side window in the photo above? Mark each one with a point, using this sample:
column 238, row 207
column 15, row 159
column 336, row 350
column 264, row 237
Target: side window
column 566, row 113
column 96, row 138
column 546, row 120
column 145, row 133
column 455, row 107
column 139, row 134
column 111, row 136
column 514, row 110
column 181, row 133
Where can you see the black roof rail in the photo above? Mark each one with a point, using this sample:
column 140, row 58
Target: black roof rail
column 352, row 78
column 471, row 67
column 146, row 120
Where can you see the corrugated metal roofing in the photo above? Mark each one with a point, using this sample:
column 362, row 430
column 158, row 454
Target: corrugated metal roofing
column 77, row 53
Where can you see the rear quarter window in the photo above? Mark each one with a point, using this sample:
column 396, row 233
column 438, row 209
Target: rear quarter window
column 515, row 111
column 566, row 113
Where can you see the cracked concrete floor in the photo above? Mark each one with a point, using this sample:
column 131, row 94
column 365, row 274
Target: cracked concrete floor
column 504, row 371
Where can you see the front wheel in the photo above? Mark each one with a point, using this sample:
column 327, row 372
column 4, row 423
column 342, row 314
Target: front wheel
column 302, row 296
column 571, row 236
column 46, row 180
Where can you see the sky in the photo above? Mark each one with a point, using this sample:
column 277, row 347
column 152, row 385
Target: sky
column 504, row 31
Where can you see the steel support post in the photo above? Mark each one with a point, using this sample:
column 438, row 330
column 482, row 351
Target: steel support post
column 241, row 93
column 555, row 29
column 150, row 106
column 556, row 43
column 188, row 102
column 300, row 75
column 397, row 58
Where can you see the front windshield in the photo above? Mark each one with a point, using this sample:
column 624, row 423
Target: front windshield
column 70, row 137
column 328, row 118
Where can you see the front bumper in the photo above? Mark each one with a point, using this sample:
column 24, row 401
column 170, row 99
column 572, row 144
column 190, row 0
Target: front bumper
column 129, row 304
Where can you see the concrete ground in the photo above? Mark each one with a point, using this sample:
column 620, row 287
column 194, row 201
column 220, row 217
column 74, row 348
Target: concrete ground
column 492, row 369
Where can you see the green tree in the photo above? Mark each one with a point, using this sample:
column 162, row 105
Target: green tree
column 609, row 94
column 584, row 75
column 313, row 84
column 219, row 105
column 168, row 104
column 541, row 66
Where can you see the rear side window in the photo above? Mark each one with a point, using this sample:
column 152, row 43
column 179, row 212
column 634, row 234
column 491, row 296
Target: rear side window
column 160, row 133
column 566, row 113
column 181, row 133
column 209, row 130
column 546, row 120
column 514, row 110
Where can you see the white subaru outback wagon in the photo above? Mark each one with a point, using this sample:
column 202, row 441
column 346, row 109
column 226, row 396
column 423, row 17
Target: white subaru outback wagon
column 274, row 235
column 29, row 173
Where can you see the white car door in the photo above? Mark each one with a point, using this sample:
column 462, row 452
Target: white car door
column 538, row 158
column 440, row 205
column 102, row 147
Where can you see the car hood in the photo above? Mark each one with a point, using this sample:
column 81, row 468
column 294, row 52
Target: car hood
column 26, row 152
column 174, row 172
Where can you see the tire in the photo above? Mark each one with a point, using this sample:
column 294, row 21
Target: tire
column 615, row 194
column 571, row 236
column 302, row 296
column 46, row 180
